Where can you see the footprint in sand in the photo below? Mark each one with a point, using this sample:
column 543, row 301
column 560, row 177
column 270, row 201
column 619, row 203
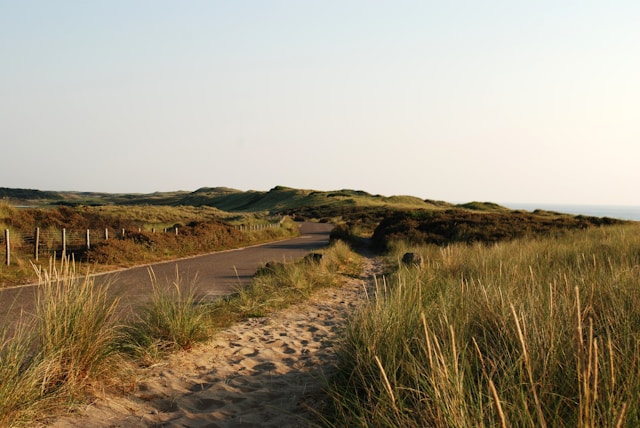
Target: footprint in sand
column 167, row 406
column 252, row 354
column 263, row 367
column 209, row 404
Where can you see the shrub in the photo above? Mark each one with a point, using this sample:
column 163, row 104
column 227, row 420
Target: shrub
column 445, row 227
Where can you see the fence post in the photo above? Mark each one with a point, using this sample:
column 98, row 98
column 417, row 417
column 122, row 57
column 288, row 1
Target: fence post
column 8, row 246
column 106, row 233
column 123, row 233
column 88, row 240
column 36, row 244
column 176, row 230
column 64, row 242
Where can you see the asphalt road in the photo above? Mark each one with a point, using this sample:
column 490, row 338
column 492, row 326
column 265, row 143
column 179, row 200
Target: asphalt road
column 212, row 275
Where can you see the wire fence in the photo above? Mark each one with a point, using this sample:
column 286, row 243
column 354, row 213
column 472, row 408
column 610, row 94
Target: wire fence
column 63, row 241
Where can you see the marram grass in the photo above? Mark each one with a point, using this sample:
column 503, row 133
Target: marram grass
column 283, row 284
column 50, row 361
column 20, row 380
column 542, row 332
column 174, row 319
column 75, row 324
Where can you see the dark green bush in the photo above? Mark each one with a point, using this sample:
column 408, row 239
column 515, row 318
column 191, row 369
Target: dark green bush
column 444, row 227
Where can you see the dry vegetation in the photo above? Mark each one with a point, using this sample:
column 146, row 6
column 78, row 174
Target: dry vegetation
column 450, row 226
column 200, row 230
column 536, row 331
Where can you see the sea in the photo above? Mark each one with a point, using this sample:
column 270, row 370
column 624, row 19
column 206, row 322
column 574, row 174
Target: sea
column 622, row 212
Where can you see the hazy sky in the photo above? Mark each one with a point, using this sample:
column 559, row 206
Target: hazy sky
column 502, row 101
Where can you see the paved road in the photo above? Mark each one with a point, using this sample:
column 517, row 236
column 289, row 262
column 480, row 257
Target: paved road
column 216, row 274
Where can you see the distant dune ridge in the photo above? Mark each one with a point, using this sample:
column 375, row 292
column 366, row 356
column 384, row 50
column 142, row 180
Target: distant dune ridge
column 287, row 200
column 224, row 198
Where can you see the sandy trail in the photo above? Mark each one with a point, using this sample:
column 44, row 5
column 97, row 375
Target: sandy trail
column 264, row 372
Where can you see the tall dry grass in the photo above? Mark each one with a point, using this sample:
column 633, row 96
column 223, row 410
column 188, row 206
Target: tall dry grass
column 20, row 380
column 50, row 361
column 540, row 332
column 174, row 319
column 76, row 327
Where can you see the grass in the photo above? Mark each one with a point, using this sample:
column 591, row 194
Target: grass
column 20, row 381
column 175, row 319
column 282, row 284
column 77, row 342
column 75, row 324
column 52, row 360
column 530, row 332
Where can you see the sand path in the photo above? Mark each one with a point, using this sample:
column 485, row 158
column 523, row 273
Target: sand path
column 264, row 372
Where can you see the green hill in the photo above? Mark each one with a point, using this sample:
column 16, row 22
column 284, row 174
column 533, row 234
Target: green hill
column 276, row 200
column 27, row 194
column 282, row 198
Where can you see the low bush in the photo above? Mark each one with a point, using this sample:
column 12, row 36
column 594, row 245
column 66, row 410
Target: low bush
column 145, row 246
column 454, row 225
column 195, row 230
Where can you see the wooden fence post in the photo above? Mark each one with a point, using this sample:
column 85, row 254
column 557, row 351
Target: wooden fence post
column 88, row 240
column 106, row 233
column 64, row 242
column 8, row 246
column 123, row 233
column 36, row 244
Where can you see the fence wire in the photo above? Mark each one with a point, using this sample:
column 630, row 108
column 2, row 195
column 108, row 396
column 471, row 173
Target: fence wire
column 49, row 240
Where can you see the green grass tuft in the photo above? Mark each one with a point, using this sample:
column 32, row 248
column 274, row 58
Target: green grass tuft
column 174, row 319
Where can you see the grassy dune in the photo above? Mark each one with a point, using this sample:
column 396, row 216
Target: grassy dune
column 531, row 332
column 223, row 198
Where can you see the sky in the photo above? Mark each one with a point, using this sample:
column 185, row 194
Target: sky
column 501, row 101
